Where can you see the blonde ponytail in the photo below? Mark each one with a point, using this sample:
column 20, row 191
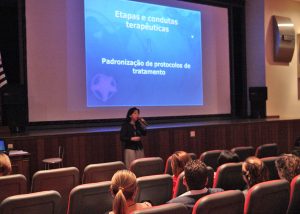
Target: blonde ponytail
column 119, row 203
column 123, row 187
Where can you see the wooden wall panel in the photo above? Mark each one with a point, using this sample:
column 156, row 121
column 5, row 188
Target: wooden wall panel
column 87, row 147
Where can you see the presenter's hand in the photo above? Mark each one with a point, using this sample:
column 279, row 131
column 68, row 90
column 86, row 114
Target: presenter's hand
column 135, row 138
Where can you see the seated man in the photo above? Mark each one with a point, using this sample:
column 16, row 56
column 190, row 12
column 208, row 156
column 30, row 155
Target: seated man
column 195, row 180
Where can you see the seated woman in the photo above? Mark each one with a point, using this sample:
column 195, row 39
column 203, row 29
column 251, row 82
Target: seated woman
column 5, row 165
column 178, row 161
column 123, row 188
column 254, row 172
column 288, row 166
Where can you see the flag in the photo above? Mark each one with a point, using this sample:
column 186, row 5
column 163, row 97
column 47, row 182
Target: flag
column 3, row 80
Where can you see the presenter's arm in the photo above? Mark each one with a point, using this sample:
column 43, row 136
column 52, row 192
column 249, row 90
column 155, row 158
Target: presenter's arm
column 141, row 128
column 124, row 133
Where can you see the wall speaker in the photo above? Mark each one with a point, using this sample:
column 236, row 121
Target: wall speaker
column 258, row 97
column 14, row 108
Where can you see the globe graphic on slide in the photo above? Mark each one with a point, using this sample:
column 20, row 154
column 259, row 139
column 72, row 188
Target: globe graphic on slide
column 103, row 87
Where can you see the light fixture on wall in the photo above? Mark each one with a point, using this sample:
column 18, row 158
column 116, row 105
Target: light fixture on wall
column 284, row 39
column 298, row 64
column 298, row 41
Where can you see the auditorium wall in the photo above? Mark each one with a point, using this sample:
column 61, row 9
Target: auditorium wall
column 280, row 78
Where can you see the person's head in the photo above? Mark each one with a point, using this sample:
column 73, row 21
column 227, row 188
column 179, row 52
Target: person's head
column 5, row 164
column 195, row 175
column 178, row 161
column 227, row 156
column 296, row 149
column 123, row 188
column 288, row 166
column 132, row 114
column 254, row 171
column 297, row 142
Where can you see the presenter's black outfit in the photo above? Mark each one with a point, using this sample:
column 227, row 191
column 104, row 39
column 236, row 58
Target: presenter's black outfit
column 132, row 149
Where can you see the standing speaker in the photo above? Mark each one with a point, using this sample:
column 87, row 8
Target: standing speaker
column 258, row 97
column 14, row 108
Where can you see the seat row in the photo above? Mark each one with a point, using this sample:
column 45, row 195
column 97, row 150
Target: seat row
column 210, row 157
column 228, row 176
column 95, row 197
column 277, row 196
column 266, row 150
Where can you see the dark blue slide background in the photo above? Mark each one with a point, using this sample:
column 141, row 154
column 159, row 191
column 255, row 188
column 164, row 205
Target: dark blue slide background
column 109, row 35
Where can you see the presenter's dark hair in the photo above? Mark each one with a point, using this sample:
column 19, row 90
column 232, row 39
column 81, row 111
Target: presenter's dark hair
column 130, row 112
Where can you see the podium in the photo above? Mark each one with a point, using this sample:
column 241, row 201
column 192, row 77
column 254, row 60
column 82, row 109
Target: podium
column 20, row 162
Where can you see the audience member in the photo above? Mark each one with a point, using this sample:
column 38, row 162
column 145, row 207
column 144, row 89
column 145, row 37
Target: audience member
column 195, row 180
column 5, row 165
column 296, row 149
column 227, row 156
column 123, row 188
column 254, row 172
column 178, row 161
column 288, row 166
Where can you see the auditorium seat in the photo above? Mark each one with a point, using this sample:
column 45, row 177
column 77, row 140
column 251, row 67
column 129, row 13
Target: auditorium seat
column 294, row 205
column 266, row 150
column 210, row 158
column 193, row 155
column 229, row 177
column 174, row 208
column 270, row 164
column 12, row 185
column 91, row 198
column 210, row 175
column 46, row 202
column 244, row 152
column 168, row 168
column 270, row 197
column 101, row 171
column 227, row 202
column 180, row 188
column 62, row 180
column 157, row 189
column 147, row 166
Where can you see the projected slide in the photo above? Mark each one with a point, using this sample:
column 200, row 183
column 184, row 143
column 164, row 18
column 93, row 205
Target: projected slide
column 141, row 54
